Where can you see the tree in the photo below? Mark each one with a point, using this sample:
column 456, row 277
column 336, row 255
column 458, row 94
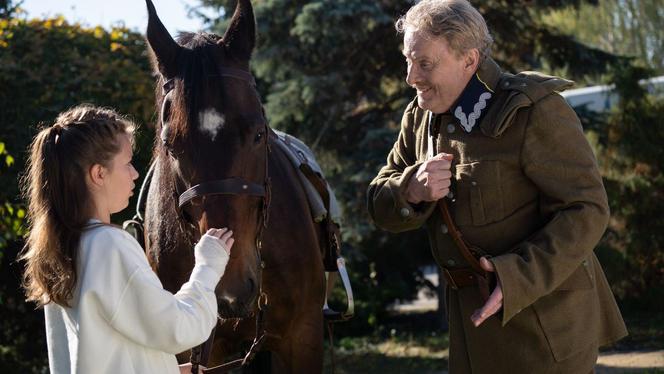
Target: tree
column 7, row 8
column 624, row 27
column 332, row 74
column 628, row 143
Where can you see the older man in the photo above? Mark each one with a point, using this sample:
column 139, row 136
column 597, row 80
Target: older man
column 498, row 169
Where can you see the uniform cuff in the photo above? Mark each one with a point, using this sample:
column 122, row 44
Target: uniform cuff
column 504, row 265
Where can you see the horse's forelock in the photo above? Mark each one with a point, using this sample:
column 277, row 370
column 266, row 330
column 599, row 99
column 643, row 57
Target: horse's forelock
column 197, row 65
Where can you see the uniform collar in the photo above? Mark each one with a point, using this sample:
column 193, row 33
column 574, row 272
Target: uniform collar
column 476, row 98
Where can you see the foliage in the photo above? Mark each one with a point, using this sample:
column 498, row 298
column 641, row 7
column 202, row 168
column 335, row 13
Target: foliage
column 624, row 27
column 47, row 66
column 632, row 161
column 332, row 74
column 8, row 8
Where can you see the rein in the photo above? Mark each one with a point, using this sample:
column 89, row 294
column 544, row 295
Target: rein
column 233, row 186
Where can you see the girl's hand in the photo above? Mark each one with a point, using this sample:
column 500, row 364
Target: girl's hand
column 226, row 237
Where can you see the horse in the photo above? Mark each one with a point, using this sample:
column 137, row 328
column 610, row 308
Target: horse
column 215, row 165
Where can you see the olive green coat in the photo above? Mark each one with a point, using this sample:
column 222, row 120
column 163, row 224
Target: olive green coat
column 527, row 191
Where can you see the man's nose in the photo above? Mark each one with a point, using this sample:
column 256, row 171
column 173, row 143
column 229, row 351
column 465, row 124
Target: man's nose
column 412, row 75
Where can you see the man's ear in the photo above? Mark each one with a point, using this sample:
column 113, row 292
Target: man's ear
column 97, row 175
column 472, row 59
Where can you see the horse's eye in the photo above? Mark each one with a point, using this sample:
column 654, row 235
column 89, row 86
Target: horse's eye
column 259, row 136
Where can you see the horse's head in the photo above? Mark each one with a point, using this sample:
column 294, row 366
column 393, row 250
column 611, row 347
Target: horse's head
column 213, row 134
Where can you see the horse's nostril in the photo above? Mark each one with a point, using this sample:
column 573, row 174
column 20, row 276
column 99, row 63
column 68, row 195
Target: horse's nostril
column 252, row 285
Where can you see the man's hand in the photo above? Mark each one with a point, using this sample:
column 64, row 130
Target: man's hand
column 495, row 301
column 431, row 182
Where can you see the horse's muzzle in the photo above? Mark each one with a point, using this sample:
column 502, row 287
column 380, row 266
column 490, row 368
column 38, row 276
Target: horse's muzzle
column 232, row 308
column 235, row 306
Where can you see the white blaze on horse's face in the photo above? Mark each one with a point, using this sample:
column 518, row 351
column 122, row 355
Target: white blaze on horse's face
column 210, row 122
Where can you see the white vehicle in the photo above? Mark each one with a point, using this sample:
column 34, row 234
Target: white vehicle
column 602, row 98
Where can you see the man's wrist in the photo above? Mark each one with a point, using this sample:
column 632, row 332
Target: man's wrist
column 408, row 193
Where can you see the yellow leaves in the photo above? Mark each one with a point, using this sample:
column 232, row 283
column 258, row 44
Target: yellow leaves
column 116, row 46
column 60, row 21
column 9, row 160
column 56, row 22
column 5, row 32
column 118, row 34
column 98, row 32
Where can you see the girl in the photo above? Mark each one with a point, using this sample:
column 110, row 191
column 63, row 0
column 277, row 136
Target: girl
column 106, row 311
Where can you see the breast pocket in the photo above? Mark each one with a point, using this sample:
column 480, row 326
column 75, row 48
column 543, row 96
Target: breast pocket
column 479, row 193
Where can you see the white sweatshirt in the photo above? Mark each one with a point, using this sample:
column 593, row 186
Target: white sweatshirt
column 121, row 319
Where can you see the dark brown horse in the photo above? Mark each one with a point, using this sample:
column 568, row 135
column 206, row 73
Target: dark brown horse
column 212, row 132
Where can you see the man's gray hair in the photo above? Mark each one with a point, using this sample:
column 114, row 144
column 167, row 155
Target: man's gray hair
column 462, row 26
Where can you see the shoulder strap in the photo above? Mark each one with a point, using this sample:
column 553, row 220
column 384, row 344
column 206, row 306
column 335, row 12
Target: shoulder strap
column 535, row 86
column 464, row 248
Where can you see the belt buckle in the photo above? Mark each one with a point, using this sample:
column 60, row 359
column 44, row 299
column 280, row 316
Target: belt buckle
column 450, row 279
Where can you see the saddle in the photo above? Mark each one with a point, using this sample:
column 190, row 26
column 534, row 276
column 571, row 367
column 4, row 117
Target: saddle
column 325, row 212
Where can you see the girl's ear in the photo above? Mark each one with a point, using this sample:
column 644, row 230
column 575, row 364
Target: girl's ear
column 97, row 174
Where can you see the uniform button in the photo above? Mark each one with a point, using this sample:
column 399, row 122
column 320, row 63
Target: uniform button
column 473, row 183
column 405, row 212
column 450, row 195
column 585, row 263
column 444, row 229
column 451, row 262
column 506, row 84
column 450, row 128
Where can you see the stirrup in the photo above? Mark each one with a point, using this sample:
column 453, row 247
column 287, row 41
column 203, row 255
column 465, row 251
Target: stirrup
column 329, row 314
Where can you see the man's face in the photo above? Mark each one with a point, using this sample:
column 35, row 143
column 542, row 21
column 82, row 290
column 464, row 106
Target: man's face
column 437, row 73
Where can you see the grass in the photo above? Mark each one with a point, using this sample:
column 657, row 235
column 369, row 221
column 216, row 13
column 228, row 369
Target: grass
column 407, row 343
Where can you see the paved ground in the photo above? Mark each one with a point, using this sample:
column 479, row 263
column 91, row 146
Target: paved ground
column 631, row 362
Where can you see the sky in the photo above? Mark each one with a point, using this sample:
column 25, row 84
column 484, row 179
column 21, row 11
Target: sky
column 133, row 13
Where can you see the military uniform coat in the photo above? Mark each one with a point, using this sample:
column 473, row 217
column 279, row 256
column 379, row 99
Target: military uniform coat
column 527, row 191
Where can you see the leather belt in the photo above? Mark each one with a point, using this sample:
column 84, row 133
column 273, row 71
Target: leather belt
column 461, row 277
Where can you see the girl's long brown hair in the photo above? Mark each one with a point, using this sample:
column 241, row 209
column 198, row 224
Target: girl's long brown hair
column 59, row 202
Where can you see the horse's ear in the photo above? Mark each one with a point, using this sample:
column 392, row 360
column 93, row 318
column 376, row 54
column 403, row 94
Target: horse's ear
column 165, row 49
column 241, row 34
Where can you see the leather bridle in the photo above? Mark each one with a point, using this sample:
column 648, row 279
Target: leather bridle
column 233, row 186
